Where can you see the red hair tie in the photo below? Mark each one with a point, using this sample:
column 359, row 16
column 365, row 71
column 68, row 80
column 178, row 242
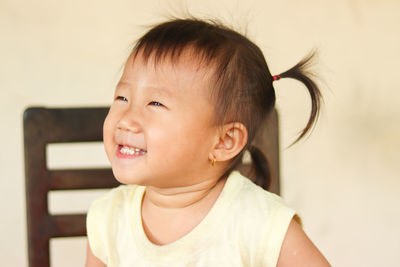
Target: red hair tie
column 276, row 77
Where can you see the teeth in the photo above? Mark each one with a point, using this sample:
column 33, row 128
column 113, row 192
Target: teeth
column 132, row 150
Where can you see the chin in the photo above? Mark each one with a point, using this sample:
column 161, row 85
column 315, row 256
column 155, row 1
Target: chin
column 125, row 178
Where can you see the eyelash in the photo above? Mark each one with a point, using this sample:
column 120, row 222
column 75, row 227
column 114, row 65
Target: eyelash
column 122, row 98
column 155, row 103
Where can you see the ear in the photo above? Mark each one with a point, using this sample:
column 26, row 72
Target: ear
column 231, row 140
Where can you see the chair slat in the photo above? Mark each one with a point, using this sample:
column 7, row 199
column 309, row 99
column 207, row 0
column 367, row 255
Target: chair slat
column 76, row 124
column 68, row 225
column 70, row 124
column 81, row 179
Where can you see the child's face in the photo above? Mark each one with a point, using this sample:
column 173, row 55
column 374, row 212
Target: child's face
column 160, row 128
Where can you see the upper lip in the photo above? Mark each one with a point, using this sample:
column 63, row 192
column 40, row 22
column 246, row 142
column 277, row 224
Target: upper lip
column 124, row 138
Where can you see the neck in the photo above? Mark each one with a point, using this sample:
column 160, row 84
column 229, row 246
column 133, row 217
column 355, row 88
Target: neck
column 185, row 196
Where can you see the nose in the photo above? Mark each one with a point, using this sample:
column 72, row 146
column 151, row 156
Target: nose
column 130, row 121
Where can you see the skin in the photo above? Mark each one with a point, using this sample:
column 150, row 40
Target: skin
column 166, row 111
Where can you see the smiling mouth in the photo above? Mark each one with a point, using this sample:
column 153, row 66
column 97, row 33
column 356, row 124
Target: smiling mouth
column 128, row 151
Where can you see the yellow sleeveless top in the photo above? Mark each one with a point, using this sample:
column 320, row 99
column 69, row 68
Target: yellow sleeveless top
column 245, row 227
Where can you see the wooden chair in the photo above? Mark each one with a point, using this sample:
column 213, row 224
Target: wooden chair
column 43, row 126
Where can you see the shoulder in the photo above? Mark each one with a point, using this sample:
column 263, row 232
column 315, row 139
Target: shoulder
column 276, row 228
column 263, row 218
column 298, row 250
column 100, row 220
column 255, row 201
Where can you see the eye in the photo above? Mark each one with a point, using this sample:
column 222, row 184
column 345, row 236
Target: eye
column 155, row 103
column 121, row 98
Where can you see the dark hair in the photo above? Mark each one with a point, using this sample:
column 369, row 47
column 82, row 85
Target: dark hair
column 243, row 90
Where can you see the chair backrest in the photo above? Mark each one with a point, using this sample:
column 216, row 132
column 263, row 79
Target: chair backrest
column 43, row 126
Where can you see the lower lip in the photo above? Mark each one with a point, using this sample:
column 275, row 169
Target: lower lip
column 127, row 156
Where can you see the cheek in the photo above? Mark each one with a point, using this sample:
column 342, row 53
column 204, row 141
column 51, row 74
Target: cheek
column 181, row 142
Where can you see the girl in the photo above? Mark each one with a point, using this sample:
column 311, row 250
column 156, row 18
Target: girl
column 190, row 100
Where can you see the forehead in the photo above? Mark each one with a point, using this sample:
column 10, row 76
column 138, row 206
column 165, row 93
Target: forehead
column 187, row 71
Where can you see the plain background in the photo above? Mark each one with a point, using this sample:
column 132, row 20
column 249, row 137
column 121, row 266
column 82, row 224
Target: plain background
column 343, row 180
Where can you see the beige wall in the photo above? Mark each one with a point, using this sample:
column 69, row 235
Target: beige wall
column 343, row 180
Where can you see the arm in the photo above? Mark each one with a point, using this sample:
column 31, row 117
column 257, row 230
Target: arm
column 92, row 260
column 298, row 250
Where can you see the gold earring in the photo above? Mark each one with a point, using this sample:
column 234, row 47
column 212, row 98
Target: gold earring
column 213, row 162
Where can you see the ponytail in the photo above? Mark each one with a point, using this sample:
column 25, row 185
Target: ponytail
column 301, row 72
